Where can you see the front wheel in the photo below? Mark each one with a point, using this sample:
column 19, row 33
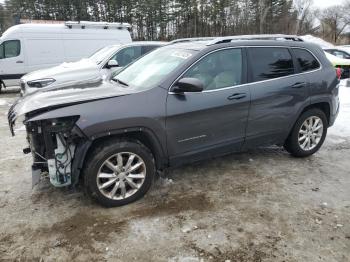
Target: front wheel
column 308, row 133
column 119, row 172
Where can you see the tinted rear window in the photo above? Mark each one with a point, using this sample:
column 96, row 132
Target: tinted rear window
column 306, row 60
column 270, row 62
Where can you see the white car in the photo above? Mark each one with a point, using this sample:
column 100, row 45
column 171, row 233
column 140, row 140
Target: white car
column 99, row 65
column 25, row 48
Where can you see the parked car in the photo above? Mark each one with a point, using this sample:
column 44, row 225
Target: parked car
column 28, row 47
column 338, row 53
column 344, row 48
column 343, row 64
column 100, row 64
column 178, row 104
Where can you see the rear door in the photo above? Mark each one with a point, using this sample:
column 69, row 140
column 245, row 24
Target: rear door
column 278, row 91
column 211, row 122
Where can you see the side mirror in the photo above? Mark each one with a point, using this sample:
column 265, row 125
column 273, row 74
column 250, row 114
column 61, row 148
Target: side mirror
column 112, row 63
column 188, row 85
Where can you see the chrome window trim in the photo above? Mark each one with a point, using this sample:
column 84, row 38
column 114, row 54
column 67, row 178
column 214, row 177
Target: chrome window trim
column 251, row 83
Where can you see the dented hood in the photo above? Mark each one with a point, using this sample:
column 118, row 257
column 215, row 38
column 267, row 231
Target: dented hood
column 66, row 94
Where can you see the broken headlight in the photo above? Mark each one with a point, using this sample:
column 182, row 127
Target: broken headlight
column 63, row 124
column 63, row 146
column 39, row 83
column 55, row 141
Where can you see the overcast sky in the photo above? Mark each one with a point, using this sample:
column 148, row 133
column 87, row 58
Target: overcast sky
column 326, row 3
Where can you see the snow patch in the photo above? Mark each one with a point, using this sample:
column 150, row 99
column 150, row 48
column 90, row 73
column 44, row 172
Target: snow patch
column 3, row 102
column 316, row 40
column 341, row 126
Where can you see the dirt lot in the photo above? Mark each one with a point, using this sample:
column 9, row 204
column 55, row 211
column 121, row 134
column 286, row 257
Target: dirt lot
column 256, row 206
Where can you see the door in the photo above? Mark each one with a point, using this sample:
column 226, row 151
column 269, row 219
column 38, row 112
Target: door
column 11, row 60
column 277, row 94
column 211, row 122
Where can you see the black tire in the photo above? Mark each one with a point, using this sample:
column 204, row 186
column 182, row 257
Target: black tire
column 104, row 151
column 292, row 144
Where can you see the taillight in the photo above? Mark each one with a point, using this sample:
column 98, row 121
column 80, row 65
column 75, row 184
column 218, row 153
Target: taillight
column 338, row 71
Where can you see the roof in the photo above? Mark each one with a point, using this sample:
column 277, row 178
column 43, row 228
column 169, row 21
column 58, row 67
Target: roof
column 148, row 43
column 200, row 45
column 52, row 28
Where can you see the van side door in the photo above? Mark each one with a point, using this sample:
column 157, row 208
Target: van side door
column 278, row 92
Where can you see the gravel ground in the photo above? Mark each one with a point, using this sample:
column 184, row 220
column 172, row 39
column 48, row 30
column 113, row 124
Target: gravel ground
column 262, row 205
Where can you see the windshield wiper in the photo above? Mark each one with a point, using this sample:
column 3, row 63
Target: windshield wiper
column 119, row 81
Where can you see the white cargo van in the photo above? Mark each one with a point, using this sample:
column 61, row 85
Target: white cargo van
column 28, row 47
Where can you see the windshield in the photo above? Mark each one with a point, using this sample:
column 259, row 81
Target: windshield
column 101, row 54
column 151, row 69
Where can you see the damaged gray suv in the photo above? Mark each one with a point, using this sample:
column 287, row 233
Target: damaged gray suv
column 183, row 102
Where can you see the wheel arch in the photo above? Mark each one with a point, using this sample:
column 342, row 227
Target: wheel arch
column 140, row 134
column 323, row 106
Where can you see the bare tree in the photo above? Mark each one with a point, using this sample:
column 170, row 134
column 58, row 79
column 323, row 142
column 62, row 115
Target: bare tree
column 333, row 20
column 264, row 10
column 304, row 14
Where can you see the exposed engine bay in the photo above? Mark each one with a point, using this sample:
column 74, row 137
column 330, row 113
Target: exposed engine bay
column 52, row 143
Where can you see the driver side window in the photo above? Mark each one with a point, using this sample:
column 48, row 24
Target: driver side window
column 220, row 69
column 10, row 48
column 127, row 55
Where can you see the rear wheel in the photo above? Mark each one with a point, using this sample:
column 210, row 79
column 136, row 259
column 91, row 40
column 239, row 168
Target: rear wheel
column 119, row 172
column 308, row 134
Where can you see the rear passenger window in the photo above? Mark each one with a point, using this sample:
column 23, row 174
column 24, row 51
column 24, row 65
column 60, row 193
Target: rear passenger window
column 270, row 62
column 306, row 60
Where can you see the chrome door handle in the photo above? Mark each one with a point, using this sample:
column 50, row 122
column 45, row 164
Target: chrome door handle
column 19, row 62
column 237, row 96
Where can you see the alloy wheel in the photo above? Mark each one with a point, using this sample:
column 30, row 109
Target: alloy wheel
column 310, row 133
column 121, row 175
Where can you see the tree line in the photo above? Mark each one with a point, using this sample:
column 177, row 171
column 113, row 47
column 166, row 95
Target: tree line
column 171, row 19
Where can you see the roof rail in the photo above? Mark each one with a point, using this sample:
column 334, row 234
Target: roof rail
column 191, row 39
column 227, row 39
column 104, row 25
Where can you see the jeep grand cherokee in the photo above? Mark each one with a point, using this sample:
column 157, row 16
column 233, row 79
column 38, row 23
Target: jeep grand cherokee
column 181, row 103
